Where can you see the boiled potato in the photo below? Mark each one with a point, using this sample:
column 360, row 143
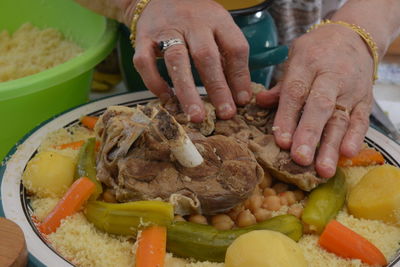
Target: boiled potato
column 49, row 174
column 377, row 195
column 264, row 248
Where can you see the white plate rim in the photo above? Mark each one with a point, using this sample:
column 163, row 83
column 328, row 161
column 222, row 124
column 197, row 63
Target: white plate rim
column 10, row 173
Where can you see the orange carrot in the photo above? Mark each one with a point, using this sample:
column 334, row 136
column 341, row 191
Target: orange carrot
column 73, row 200
column 74, row 145
column 89, row 121
column 367, row 156
column 151, row 247
column 342, row 241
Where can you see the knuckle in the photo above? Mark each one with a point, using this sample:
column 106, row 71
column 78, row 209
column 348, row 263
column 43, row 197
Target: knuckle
column 311, row 131
column 322, row 102
column 314, row 55
column 339, row 119
column 140, row 60
column 175, row 53
column 240, row 50
column 216, row 87
column 360, row 118
column 238, row 74
column 297, row 90
column 204, row 53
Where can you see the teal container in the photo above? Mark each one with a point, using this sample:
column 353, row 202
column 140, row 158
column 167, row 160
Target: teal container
column 26, row 102
column 257, row 26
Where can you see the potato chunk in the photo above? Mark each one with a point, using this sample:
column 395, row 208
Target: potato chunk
column 377, row 195
column 264, row 248
column 49, row 174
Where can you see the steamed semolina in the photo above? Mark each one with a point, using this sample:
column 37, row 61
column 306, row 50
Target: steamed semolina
column 30, row 50
column 96, row 248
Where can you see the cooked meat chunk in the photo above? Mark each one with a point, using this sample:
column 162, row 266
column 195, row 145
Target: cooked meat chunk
column 227, row 176
column 281, row 166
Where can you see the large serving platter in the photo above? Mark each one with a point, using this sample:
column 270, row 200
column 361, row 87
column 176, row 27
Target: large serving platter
column 14, row 203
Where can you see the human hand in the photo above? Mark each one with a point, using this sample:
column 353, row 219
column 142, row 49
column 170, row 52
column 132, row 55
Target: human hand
column 214, row 42
column 325, row 97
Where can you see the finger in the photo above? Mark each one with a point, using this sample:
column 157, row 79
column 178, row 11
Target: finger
column 269, row 98
column 206, row 57
column 359, row 123
column 328, row 153
column 317, row 111
column 294, row 91
column 235, row 51
column 178, row 65
column 144, row 61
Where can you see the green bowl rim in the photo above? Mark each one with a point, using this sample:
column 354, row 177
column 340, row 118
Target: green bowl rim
column 65, row 71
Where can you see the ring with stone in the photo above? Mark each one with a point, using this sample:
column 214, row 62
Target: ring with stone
column 164, row 45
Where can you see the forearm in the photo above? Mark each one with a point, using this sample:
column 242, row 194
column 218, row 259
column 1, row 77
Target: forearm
column 120, row 10
column 378, row 17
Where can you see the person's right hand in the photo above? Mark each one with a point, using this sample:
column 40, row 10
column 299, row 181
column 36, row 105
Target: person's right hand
column 217, row 46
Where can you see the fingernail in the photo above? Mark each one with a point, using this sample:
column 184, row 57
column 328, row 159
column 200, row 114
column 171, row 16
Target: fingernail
column 353, row 147
column 194, row 110
column 243, row 97
column 304, row 152
column 286, row 137
column 328, row 163
column 225, row 110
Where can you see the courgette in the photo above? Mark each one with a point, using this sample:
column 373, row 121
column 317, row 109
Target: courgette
column 205, row 243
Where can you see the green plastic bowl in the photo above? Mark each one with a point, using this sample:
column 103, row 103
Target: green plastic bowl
column 26, row 102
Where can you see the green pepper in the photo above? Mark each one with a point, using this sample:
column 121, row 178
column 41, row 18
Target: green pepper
column 205, row 243
column 86, row 166
column 127, row 218
column 325, row 202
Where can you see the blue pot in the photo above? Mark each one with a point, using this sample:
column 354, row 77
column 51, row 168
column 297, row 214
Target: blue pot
column 259, row 29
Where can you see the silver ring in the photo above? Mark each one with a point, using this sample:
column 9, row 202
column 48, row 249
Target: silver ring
column 164, row 45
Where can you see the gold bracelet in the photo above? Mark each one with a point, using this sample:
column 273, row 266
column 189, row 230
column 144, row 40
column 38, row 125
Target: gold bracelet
column 363, row 34
column 141, row 4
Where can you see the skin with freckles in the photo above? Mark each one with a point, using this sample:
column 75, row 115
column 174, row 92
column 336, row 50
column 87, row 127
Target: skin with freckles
column 326, row 93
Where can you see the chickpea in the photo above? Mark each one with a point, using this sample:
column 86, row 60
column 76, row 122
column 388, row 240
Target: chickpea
column 290, row 197
column 197, row 218
column 179, row 218
column 283, row 200
column 247, row 203
column 258, row 191
column 222, row 222
column 272, row 203
column 269, row 192
column 280, row 187
column 109, row 197
column 262, row 214
column 299, row 195
column 233, row 213
column 296, row 210
column 245, row 218
column 266, row 181
column 255, row 202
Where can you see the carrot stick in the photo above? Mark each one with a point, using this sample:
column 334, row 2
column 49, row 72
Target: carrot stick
column 342, row 241
column 89, row 121
column 151, row 247
column 72, row 201
column 367, row 156
column 74, row 145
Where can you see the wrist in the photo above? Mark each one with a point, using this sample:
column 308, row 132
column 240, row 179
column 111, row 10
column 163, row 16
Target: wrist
column 127, row 9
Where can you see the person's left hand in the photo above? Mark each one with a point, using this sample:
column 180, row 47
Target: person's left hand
column 324, row 98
